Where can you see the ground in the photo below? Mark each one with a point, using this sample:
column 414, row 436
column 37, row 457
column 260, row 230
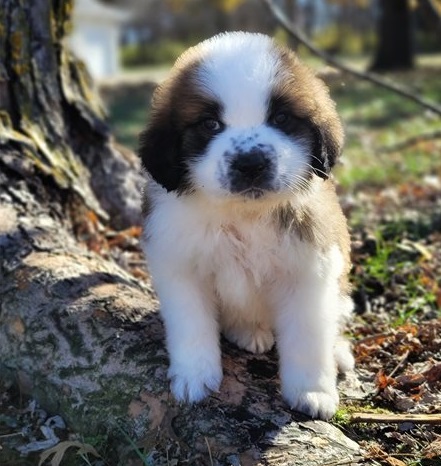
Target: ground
column 390, row 189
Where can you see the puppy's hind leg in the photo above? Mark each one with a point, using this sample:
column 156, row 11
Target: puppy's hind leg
column 343, row 352
column 343, row 355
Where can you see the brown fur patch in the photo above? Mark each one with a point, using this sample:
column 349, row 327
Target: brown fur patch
column 181, row 97
column 308, row 95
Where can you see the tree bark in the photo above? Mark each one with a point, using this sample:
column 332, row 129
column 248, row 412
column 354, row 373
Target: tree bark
column 48, row 106
column 395, row 49
column 432, row 12
column 80, row 334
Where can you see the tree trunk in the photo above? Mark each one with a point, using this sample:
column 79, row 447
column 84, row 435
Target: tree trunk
column 49, row 108
column 78, row 333
column 395, row 49
column 431, row 17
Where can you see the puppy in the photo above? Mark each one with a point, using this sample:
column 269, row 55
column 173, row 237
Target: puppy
column 243, row 231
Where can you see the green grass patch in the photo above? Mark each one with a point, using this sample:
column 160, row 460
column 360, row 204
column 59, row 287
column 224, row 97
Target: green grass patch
column 344, row 413
column 393, row 272
column 377, row 120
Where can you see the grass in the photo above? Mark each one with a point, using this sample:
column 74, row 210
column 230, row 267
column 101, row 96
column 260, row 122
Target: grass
column 144, row 457
column 394, row 270
column 377, row 120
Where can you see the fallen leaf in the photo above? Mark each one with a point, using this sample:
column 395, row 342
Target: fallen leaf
column 409, row 381
column 376, row 452
column 120, row 238
column 433, row 374
column 405, row 329
column 382, row 380
column 139, row 273
column 60, row 449
column 91, row 215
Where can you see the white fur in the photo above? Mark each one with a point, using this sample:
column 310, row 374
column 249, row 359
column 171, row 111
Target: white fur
column 241, row 80
column 220, row 262
column 290, row 158
column 230, row 270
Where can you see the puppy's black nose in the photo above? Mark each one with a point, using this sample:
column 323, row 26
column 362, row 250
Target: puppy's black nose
column 251, row 164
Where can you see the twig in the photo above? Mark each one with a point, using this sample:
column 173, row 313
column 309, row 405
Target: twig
column 400, row 363
column 395, row 418
column 14, row 434
column 209, row 451
column 283, row 20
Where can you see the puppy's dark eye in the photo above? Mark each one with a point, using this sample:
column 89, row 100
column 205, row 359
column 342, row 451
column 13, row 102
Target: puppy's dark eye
column 280, row 118
column 212, row 125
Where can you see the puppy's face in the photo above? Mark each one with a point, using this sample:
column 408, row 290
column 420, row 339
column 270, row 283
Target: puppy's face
column 240, row 116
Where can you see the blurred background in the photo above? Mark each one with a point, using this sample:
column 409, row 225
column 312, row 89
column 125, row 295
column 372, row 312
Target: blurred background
column 129, row 46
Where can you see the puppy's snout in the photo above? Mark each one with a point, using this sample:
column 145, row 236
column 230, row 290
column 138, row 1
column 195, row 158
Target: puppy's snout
column 250, row 171
column 251, row 164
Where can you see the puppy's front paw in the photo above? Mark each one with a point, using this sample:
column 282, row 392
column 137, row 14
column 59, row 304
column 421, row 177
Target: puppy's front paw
column 193, row 381
column 254, row 340
column 317, row 404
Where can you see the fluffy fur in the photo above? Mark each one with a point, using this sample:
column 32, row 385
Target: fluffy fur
column 243, row 232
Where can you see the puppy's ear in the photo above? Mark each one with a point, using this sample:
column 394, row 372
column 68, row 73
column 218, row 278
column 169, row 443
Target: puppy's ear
column 326, row 148
column 160, row 152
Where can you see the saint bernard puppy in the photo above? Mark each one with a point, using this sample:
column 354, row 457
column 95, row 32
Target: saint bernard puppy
column 244, row 234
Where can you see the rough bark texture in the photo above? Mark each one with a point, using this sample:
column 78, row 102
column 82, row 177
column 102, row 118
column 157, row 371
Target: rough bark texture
column 48, row 107
column 77, row 332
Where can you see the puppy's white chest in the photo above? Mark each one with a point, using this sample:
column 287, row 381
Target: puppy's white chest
column 245, row 261
column 255, row 252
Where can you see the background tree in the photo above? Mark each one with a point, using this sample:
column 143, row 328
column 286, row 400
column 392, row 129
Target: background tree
column 395, row 49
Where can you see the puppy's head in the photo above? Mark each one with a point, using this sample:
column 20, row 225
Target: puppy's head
column 240, row 116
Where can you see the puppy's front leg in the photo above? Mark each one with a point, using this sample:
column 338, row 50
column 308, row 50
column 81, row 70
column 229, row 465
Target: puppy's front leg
column 192, row 337
column 306, row 334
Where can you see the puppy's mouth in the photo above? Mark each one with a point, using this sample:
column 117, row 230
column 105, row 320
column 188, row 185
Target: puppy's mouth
column 253, row 193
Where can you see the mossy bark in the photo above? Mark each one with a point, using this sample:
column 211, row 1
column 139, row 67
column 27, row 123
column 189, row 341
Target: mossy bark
column 49, row 109
column 77, row 332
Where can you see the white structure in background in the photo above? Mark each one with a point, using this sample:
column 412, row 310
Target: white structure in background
column 95, row 36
